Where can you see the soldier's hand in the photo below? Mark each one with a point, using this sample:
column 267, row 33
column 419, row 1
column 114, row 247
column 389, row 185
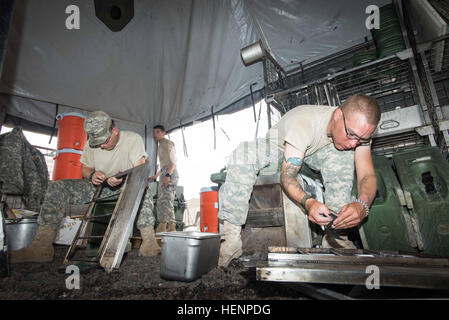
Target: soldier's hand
column 98, row 178
column 350, row 216
column 113, row 181
column 151, row 179
column 318, row 212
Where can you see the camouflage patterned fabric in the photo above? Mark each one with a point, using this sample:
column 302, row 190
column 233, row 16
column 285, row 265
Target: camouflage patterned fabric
column 63, row 193
column 23, row 169
column 243, row 167
column 166, row 198
column 337, row 169
column 146, row 216
column 97, row 126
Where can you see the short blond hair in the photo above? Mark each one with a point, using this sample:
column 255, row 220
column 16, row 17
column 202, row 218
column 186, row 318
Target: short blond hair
column 364, row 104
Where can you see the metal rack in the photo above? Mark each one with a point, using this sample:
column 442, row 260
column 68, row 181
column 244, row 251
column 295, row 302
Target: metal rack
column 274, row 75
column 391, row 80
column 432, row 61
column 348, row 266
column 387, row 79
column 398, row 82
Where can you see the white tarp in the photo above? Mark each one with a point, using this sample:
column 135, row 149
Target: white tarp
column 173, row 61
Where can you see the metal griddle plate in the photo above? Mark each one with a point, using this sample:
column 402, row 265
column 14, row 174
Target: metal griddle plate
column 349, row 266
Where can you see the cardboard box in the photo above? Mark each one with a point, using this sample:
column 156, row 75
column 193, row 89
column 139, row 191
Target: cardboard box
column 67, row 231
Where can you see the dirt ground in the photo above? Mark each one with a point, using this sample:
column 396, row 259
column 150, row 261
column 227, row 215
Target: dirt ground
column 137, row 278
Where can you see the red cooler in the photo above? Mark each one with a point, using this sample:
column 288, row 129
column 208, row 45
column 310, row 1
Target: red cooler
column 209, row 210
column 71, row 134
column 67, row 164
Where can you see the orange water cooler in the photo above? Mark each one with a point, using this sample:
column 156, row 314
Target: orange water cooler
column 67, row 164
column 71, row 141
column 209, row 210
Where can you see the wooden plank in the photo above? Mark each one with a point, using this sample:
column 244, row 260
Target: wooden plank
column 72, row 249
column 122, row 221
column 297, row 231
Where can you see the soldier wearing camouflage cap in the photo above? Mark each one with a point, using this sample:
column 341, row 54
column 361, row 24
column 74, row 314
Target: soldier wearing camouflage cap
column 107, row 152
column 98, row 126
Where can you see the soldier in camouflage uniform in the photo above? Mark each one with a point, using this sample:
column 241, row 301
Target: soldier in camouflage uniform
column 23, row 169
column 107, row 152
column 167, row 182
column 333, row 140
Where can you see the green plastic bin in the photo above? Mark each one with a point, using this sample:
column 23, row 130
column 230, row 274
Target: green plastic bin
column 424, row 176
column 388, row 226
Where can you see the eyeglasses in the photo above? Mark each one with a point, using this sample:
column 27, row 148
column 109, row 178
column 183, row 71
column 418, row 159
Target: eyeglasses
column 352, row 136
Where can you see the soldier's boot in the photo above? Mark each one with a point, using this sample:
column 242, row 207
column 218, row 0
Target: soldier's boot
column 149, row 246
column 39, row 250
column 231, row 247
column 171, row 227
column 162, row 227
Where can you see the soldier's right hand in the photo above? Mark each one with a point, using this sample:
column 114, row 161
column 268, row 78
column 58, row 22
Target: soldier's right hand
column 98, row 178
column 319, row 213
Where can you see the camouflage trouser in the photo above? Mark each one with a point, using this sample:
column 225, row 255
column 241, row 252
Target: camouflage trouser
column 337, row 169
column 166, row 197
column 243, row 167
column 63, row 193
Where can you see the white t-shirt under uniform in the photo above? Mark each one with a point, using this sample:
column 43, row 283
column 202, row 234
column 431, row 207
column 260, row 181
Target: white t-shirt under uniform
column 129, row 149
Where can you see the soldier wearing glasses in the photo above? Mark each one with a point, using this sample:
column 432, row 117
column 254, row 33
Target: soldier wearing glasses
column 333, row 140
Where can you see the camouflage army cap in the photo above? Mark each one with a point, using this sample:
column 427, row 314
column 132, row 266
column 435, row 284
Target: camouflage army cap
column 97, row 126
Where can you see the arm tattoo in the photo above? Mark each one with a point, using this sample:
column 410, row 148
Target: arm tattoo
column 289, row 176
column 295, row 161
column 289, row 179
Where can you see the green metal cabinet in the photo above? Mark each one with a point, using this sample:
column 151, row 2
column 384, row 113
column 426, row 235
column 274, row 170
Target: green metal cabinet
column 424, row 176
column 388, row 226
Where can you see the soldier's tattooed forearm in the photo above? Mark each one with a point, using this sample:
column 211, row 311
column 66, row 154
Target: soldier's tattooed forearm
column 289, row 176
column 289, row 180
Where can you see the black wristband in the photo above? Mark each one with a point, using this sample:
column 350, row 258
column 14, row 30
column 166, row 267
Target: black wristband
column 304, row 199
column 91, row 176
column 168, row 175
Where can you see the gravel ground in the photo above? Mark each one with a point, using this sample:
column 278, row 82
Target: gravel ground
column 137, row 278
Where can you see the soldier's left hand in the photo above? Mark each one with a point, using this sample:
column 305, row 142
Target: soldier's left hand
column 113, row 181
column 166, row 182
column 349, row 216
